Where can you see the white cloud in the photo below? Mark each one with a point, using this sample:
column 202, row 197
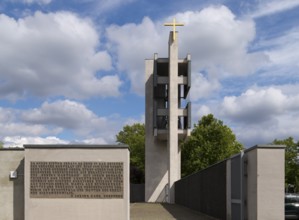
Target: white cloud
column 202, row 87
column 62, row 113
column 254, row 106
column 67, row 114
column 284, row 49
column 57, row 119
column 218, row 40
column 198, row 111
column 268, row 7
column 22, row 129
column 11, row 125
column 283, row 53
column 17, row 141
column 5, row 115
column 133, row 43
column 53, row 55
column 93, row 141
column 261, row 115
column 260, row 133
column 215, row 38
column 40, row 2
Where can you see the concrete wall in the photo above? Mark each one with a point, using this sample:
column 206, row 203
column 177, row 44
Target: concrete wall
column 137, row 192
column 252, row 188
column 76, row 208
column 246, row 186
column 156, row 153
column 162, row 150
column 265, row 185
column 204, row 191
column 11, row 190
column 174, row 150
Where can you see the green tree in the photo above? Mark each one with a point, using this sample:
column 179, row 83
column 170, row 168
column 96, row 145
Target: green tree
column 210, row 142
column 1, row 144
column 291, row 163
column 134, row 136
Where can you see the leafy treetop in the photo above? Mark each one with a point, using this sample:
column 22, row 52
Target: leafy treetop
column 134, row 136
column 291, row 163
column 210, row 142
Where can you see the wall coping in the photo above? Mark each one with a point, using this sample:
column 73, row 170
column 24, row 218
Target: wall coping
column 74, row 146
column 265, row 146
column 11, row 149
column 259, row 146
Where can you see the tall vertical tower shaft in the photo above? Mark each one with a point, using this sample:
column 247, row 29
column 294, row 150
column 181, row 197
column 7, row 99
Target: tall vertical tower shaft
column 167, row 121
column 174, row 153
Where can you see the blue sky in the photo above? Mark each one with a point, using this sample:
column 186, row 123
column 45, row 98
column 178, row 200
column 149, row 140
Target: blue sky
column 73, row 71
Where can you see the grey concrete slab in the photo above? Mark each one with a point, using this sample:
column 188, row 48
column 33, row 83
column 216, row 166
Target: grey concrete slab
column 163, row 211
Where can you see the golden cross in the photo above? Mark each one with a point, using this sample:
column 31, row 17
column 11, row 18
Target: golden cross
column 173, row 24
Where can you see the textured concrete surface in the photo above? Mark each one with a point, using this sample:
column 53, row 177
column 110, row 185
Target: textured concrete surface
column 174, row 151
column 265, row 182
column 77, row 208
column 11, row 190
column 156, row 154
column 162, row 151
column 163, row 211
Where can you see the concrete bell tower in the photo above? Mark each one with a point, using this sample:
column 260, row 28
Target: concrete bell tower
column 167, row 120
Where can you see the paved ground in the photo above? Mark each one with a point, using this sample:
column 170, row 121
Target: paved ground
column 156, row 211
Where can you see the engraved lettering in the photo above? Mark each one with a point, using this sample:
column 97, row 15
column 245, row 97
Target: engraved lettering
column 95, row 180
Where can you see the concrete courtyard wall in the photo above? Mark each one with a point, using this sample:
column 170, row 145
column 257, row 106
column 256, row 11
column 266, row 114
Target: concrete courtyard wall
column 204, row 191
column 77, row 208
column 11, row 190
column 248, row 186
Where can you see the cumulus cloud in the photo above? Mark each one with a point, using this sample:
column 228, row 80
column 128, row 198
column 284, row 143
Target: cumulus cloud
column 198, row 111
column 202, row 87
column 67, row 114
column 260, row 133
column 219, row 40
column 53, row 55
column 60, row 118
column 215, row 38
column 62, row 113
column 132, row 44
column 254, row 106
column 11, row 125
column 5, row 115
column 93, row 141
column 261, row 115
column 23, row 129
column 17, row 141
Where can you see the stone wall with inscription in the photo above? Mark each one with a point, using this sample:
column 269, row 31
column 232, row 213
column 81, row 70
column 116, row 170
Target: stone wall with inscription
column 76, row 182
